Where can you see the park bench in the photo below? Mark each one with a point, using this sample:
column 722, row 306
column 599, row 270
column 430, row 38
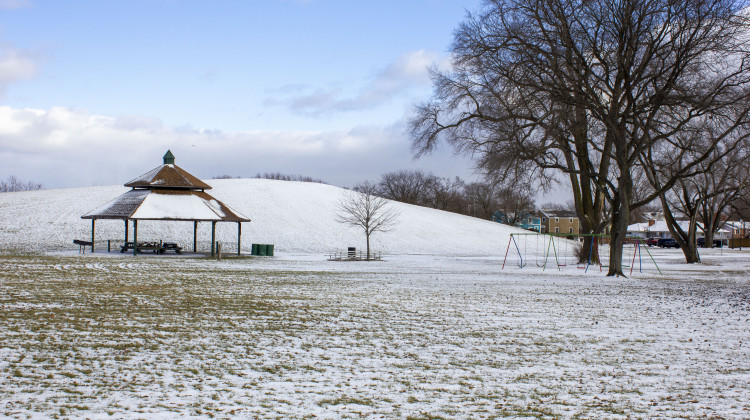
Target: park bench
column 82, row 245
column 171, row 246
column 156, row 247
column 142, row 246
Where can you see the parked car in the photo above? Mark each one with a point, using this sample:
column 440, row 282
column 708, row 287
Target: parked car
column 667, row 243
column 652, row 241
column 717, row 243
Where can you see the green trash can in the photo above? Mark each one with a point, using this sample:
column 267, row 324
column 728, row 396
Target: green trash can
column 254, row 250
column 262, row 250
column 269, row 250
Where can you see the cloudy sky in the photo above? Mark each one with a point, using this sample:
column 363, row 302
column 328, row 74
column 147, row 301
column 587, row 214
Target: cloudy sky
column 94, row 92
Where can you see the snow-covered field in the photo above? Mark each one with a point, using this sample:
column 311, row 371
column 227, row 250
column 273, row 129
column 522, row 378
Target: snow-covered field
column 437, row 330
column 413, row 336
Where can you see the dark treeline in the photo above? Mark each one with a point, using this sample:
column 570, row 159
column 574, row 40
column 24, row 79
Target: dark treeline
column 278, row 176
column 13, row 184
column 478, row 199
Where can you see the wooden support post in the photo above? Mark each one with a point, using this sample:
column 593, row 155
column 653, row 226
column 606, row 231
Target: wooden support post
column 213, row 238
column 135, row 237
column 126, row 230
column 239, row 238
column 195, row 236
column 93, row 228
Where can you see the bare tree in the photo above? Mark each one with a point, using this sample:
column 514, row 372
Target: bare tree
column 409, row 187
column 722, row 186
column 13, row 184
column 703, row 154
column 515, row 204
column 446, row 194
column 423, row 189
column 364, row 209
column 702, row 198
column 482, row 197
column 542, row 87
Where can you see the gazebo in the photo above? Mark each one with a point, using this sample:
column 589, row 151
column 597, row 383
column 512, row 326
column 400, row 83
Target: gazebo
column 168, row 193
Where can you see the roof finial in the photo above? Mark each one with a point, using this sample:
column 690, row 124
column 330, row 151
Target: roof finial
column 169, row 158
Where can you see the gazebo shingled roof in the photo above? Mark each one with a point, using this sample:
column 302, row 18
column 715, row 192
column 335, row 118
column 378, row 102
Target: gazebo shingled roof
column 175, row 205
column 168, row 176
column 167, row 193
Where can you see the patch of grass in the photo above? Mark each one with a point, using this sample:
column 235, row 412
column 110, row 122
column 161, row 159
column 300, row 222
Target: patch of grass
column 345, row 400
column 425, row 416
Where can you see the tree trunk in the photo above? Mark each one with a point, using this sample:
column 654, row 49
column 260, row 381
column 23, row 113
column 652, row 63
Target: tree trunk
column 368, row 246
column 691, row 251
column 589, row 251
column 620, row 218
column 689, row 245
column 686, row 240
column 709, row 235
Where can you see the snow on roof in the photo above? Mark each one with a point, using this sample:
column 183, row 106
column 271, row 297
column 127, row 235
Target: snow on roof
column 557, row 213
column 167, row 205
column 119, row 208
column 660, row 226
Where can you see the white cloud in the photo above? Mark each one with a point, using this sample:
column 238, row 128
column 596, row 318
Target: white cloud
column 14, row 4
column 15, row 65
column 408, row 71
column 62, row 147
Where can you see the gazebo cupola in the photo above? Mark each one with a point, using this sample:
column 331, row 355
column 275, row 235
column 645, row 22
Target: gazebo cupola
column 168, row 177
column 168, row 193
column 169, row 158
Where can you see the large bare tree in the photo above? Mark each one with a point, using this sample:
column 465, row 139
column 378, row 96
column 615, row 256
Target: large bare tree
column 365, row 210
column 702, row 198
column 585, row 88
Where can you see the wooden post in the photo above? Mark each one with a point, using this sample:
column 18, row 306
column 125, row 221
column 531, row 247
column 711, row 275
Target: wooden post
column 213, row 238
column 195, row 236
column 126, row 230
column 135, row 237
column 239, row 238
column 93, row 227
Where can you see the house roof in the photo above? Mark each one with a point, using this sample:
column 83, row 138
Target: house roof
column 557, row 213
column 660, row 226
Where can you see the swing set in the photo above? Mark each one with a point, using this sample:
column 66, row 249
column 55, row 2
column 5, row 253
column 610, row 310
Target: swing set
column 562, row 248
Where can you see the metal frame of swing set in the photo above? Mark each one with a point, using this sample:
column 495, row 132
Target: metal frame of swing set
column 594, row 241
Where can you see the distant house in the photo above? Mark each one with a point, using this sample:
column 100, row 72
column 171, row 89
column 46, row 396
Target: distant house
column 526, row 220
column 658, row 229
column 739, row 229
column 559, row 221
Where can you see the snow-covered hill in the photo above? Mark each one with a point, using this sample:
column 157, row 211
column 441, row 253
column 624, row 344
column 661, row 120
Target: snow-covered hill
column 296, row 217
